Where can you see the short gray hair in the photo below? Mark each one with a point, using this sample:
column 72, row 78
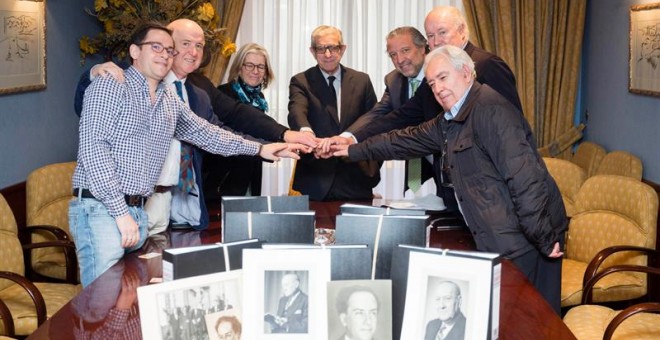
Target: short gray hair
column 456, row 56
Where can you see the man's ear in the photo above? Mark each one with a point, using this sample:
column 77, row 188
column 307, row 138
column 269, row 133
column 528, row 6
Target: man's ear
column 342, row 319
column 134, row 51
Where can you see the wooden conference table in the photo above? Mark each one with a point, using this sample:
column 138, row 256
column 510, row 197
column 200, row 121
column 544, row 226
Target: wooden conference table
column 523, row 312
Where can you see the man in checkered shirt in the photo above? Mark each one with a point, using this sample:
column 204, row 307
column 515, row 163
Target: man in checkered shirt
column 125, row 133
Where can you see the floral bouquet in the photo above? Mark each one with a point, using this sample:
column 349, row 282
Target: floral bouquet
column 121, row 17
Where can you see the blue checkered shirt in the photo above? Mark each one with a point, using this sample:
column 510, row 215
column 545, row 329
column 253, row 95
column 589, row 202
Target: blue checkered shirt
column 124, row 138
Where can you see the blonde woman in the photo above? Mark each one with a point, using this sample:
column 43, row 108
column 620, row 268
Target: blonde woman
column 249, row 74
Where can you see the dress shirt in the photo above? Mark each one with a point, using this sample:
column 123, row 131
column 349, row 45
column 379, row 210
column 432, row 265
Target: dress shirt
column 125, row 136
column 337, row 85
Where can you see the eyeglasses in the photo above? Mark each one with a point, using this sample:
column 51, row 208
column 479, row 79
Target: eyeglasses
column 334, row 49
column 159, row 48
column 250, row 67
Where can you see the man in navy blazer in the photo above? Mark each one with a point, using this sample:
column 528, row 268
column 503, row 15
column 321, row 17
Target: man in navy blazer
column 325, row 109
column 406, row 47
column 450, row 321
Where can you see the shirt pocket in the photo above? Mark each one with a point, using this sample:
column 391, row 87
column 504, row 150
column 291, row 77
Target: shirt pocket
column 464, row 157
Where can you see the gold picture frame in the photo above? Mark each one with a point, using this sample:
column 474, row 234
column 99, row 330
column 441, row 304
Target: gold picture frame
column 644, row 76
column 22, row 46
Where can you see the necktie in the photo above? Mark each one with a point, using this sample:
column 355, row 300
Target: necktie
column 414, row 165
column 414, row 84
column 186, row 180
column 332, row 103
column 441, row 333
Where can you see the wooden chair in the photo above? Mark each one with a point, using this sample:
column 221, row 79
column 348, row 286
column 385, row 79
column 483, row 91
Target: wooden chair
column 25, row 303
column 609, row 211
column 48, row 192
column 639, row 321
column 621, row 163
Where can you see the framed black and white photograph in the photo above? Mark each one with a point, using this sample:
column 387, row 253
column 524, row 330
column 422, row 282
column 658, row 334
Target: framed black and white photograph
column 360, row 309
column 285, row 293
column 22, row 46
column 178, row 309
column 645, row 49
column 450, row 297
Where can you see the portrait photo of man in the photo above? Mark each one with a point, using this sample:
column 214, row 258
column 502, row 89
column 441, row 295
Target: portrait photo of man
column 444, row 303
column 291, row 315
column 359, row 310
column 228, row 327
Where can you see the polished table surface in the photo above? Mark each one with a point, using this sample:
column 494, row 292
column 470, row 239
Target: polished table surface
column 524, row 314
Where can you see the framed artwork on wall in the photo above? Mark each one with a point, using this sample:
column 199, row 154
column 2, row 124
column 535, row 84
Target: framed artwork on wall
column 645, row 49
column 22, row 46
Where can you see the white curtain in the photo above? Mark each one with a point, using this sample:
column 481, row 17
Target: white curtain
column 284, row 28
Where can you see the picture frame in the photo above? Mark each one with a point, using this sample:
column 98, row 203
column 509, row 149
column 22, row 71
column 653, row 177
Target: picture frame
column 360, row 309
column 22, row 46
column 285, row 293
column 644, row 75
column 435, row 281
column 199, row 300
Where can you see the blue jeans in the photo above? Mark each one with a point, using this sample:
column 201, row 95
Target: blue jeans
column 97, row 237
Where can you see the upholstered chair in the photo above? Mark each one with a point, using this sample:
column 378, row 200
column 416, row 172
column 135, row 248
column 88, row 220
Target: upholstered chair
column 639, row 321
column 29, row 304
column 588, row 156
column 609, row 211
column 621, row 163
column 569, row 178
column 48, row 192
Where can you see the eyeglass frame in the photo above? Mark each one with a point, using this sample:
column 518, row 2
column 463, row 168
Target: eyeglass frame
column 250, row 67
column 334, row 49
column 156, row 46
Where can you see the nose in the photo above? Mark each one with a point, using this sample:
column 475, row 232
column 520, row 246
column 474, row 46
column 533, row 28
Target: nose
column 327, row 53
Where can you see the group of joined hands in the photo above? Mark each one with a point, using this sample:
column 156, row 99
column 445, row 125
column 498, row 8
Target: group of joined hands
column 307, row 142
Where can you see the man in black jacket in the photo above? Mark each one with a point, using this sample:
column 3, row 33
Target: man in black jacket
column 504, row 191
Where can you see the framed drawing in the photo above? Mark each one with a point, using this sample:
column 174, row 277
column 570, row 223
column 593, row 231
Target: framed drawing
column 199, row 301
column 645, row 49
column 285, row 293
column 22, row 46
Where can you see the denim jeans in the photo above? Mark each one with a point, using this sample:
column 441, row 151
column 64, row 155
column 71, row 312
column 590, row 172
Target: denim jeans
column 97, row 237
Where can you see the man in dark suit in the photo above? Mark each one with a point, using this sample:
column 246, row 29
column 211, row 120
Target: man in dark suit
column 292, row 309
column 443, row 25
column 406, row 47
column 323, row 101
column 450, row 322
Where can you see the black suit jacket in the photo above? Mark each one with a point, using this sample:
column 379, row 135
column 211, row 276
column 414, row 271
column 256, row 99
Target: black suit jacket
column 457, row 332
column 330, row 179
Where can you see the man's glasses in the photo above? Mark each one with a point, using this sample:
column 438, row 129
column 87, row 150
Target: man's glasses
column 159, row 48
column 250, row 67
column 334, row 49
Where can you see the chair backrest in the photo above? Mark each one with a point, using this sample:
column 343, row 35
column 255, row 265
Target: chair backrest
column 569, row 178
column 11, row 251
column 612, row 210
column 48, row 192
column 588, row 156
column 621, row 163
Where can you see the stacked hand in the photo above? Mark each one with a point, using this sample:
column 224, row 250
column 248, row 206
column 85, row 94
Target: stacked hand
column 333, row 146
column 274, row 151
